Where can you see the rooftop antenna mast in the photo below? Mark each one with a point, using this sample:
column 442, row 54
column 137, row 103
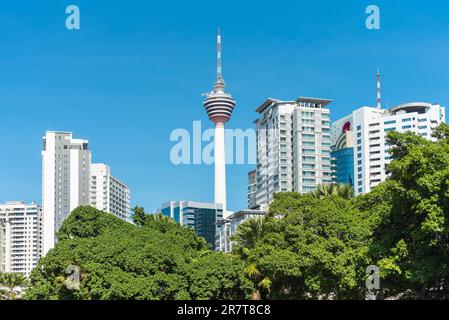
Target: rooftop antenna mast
column 379, row 105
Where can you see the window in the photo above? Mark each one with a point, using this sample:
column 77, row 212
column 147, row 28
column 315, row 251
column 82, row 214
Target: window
column 406, row 119
column 422, row 127
column 308, row 181
column 389, row 129
column 308, row 189
column 422, row 120
column 406, row 127
column 359, row 135
column 308, row 173
column 359, row 128
column 308, row 136
column 308, row 166
column 308, row 143
column 308, row 159
column 389, row 122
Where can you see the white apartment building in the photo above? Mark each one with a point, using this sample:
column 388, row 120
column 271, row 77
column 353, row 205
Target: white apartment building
column 20, row 229
column 371, row 125
column 65, row 181
column 293, row 147
column 252, row 188
column 108, row 193
column 226, row 228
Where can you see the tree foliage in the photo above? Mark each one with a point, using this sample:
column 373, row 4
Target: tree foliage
column 118, row 260
column 12, row 285
column 344, row 191
column 310, row 248
column 412, row 239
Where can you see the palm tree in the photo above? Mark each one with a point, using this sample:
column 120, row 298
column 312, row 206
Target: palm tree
column 344, row 191
column 245, row 239
column 11, row 285
column 262, row 284
column 248, row 234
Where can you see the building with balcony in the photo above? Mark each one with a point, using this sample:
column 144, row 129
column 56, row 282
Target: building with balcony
column 293, row 147
column 20, row 237
column 369, row 128
column 108, row 193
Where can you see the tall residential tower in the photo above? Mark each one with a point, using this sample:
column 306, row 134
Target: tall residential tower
column 69, row 180
column 65, row 181
column 20, row 241
column 219, row 106
column 293, row 147
column 108, row 193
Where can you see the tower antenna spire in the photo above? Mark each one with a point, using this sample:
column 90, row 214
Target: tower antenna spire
column 219, row 84
column 219, row 106
column 219, row 55
column 379, row 105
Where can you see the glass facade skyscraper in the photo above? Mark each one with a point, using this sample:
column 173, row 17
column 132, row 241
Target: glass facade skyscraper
column 200, row 216
column 344, row 162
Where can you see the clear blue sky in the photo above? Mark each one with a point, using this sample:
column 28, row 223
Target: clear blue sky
column 136, row 70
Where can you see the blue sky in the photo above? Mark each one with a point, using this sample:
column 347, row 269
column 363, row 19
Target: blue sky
column 136, row 70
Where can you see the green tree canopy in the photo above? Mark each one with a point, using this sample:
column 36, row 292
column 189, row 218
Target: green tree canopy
column 311, row 248
column 12, row 285
column 118, row 260
column 412, row 239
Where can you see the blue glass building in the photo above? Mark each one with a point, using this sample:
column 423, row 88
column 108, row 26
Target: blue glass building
column 343, row 160
column 200, row 216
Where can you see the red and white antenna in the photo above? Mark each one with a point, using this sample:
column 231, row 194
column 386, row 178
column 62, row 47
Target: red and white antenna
column 379, row 106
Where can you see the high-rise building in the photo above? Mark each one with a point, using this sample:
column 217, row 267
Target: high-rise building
column 252, row 188
column 20, row 241
column 293, row 146
column 219, row 106
column 226, row 228
column 342, row 151
column 370, row 127
column 201, row 216
column 108, row 193
column 65, row 181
